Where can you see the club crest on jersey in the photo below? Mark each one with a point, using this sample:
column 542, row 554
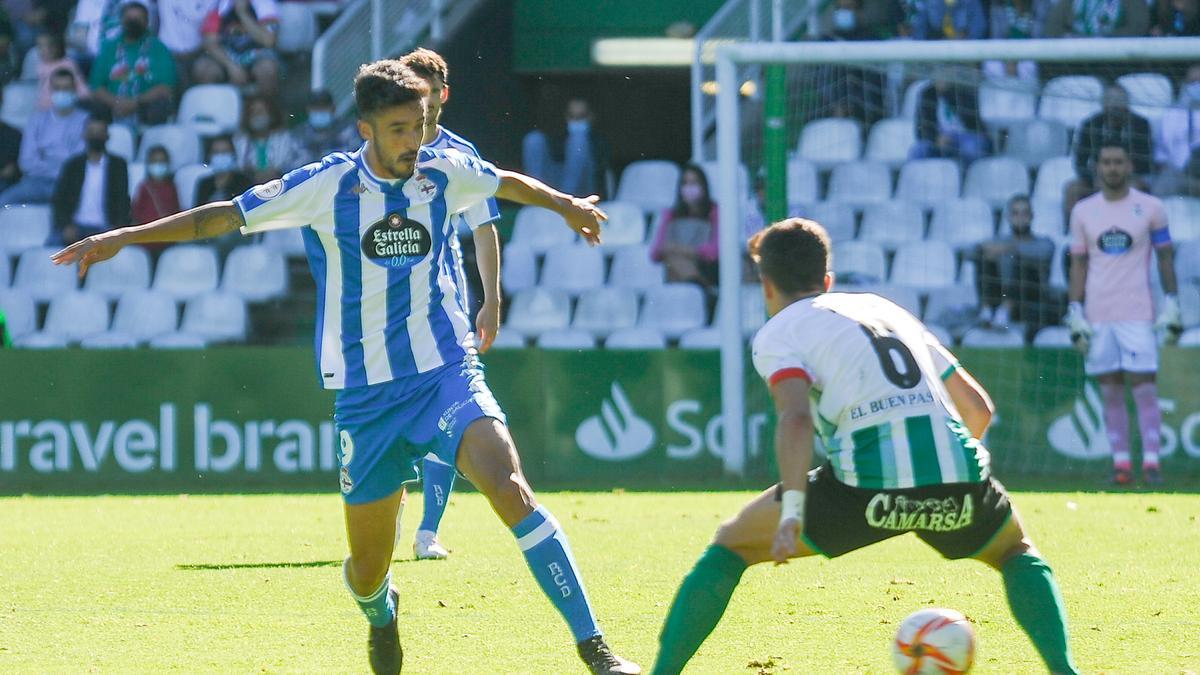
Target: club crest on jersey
column 269, row 190
column 1115, row 241
column 396, row 241
column 1137, row 210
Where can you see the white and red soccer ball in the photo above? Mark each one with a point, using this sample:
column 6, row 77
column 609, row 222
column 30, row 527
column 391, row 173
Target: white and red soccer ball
column 934, row 642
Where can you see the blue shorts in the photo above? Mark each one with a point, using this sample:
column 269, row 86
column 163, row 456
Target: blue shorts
column 385, row 429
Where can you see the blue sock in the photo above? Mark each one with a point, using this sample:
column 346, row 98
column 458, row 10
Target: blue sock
column 437, row 480
column 378, row 606
column 549, row 557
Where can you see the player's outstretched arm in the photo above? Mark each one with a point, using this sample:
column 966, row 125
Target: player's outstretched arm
column 972, row 401
column 581, row 213
column 202, row 222
column 793, row 453
column 487, row 257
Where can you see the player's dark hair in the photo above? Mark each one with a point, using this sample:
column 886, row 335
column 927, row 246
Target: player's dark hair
column 793, row 254
column 426, row 63
column 385, row 84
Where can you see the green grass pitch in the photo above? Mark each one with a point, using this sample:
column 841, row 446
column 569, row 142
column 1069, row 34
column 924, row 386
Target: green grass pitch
column 239, row 584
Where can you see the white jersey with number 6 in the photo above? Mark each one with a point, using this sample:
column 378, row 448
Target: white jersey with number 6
column 878, row 398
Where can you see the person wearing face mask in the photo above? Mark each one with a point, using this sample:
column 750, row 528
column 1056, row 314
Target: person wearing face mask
column 134, row 75
column 1013, row 274
column 1115, row 123
column 323, row 133
column 1177, row 147
column 92, row 192
column 263, row 146
column 156, row 196
column 50, row 137
column 227, row 179
column 52, row 57
column 575, row 161
column 686, row 241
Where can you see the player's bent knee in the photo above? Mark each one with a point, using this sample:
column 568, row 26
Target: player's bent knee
column 368, row 572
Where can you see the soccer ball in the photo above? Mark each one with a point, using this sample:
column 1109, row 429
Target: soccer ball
column 934, row 642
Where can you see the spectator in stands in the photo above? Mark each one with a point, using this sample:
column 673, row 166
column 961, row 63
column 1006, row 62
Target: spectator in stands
column 156, row 196
column 1016, row 20
column 263, row 145
column 10, row 152
column 948, row 122
column 134, row 75
column 239, row 45
column 686, row 241
column 323, row 133
column 50, row 137
column 1098, row 18
column 865, row 20
column 1115, row 123
column 1013, row 274
column 92, row 192
column 52, row 57
column 576, row 161
column 1177, row 148
column 1177, row 18
column 949, row 20
column 227, row 180
column 95, row 22
column 180, row 27
column 29, row 17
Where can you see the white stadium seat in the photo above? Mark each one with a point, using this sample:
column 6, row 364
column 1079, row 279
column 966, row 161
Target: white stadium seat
column 1070, row 99
column 216, row 317
column 76, row 315
column 830, row 141
column 145, row 315
column 712, row 171
column 1183, row 218
column 566, row 339
column 893, row 223
column 995, row 179
column 924, row 265
column 636, row 338
column 605, row 310
column 289, row 242
column 5, row 271
column 1150, row 94
column 962, row 222
column 1035, row 141
column 907, row 297
column 178, row 341
column 137, row 173
column 802, row 183
column 858, row 262
column 186, row 271
column 1053, row 337
column 20, row 312
column 518, row 267
column 541, row 229
column 633, row 268
column 255, row 274
column 41, row 341
column 186, row 180
column 929, row 181
column 860, row 183
column 120, row 142
column 987, row 338
column 649, row 183
column 23, row 227
column 109, row 340
column 297, row 28
column 626, row 225
column 753, row 309
column 1052, row 178
column 508, row 339
column 891, row 140
column 182, row 142
column 1003, row 102
column 701, row 338
column 128, row 270
column 1187, row 262
column 29, row 66
column 20, row 100
column 673, row 309
column 38, row 276
column 943, row 303
column 211, row 109
column 1047, row 219
column 573, row 268
column 537, row 310
column 837, row 219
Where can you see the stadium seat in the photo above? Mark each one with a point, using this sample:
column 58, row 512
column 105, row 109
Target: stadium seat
column 995, row 179
column 701, row 338
column 712, row 171
column 929, row 181
column 178, row 341
column 182, row 142
column 289, row 242
column 1187, row 262
column 109, row 340
column 20, row 100
column 573, row 268
column 858, row 262
column 145, row 315
column 186, row 179
column 837, row 219
column 802, row 183
column 38, row 276
column 128, row 270
column 1150, row 94
column 1052, row 178
column 1057, row 337
column 297, row 28
column 1003, row 103
column 1058, row 269
column 541, row 229
column 20, row 312
column 537, row 310
column 890, row 141
column 186, row 271
column 673, row 309
column 137, row 173
column 893, row 223
column 23, row 227
column 636, row 338
column 753, row 309
column 1032, row 142
column 508, row 339
column 76, row 315
column 41, row 341
column 216, row 317
column 962, row 223
column 649, row 183
column 829, row 141
column 210, row 109
column 5, row 271
column 518, row 268
column 1047, row 219
column 907, row 297
column 924, row 265
column 912, row 98
column 860, row 183
column 120, row 142
column 943, row 304
column 1183, row 218
column 29, row 66
column 566, row 339
column 943, row 336
column 633, row 268
column 605, row 310
column 626, row 225
column 1070, row 99
column 988, row 338
column 255, row 274
column 1189, row 304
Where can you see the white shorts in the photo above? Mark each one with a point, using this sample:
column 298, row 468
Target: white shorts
column 1129, row 346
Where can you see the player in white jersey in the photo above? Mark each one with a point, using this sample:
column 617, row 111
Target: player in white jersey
column 900, row 419
column 393, row 338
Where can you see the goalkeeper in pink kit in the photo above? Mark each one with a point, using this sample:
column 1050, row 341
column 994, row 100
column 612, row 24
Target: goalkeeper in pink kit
column 1111, row 314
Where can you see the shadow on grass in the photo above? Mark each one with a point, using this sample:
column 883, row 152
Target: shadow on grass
column 208, row 567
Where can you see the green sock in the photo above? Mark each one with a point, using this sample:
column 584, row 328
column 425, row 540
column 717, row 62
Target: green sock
column 698, row 606
column 1038, row 607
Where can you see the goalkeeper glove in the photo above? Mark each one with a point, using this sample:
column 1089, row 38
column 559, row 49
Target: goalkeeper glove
column 1081, row 330
column 1170, row 320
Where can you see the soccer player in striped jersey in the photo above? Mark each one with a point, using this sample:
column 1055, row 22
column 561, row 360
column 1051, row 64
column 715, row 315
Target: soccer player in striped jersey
column 393, row 339
column 900, row 419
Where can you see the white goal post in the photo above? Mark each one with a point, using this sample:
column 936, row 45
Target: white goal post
column 730, row 58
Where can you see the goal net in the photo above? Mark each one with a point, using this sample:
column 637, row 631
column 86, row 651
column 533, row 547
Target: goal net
column 927, row 163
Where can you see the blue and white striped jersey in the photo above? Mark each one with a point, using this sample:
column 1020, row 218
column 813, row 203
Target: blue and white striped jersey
column 389, row 299
column 485, row 211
